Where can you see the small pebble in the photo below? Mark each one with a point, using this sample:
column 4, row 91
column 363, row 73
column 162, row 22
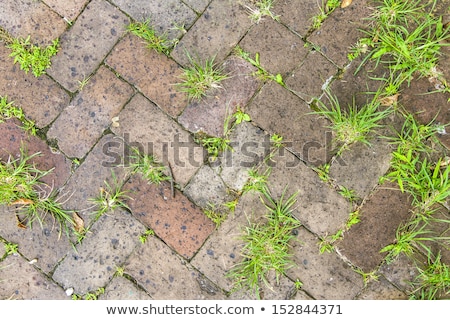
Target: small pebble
column 33, row 261
column 69, row 292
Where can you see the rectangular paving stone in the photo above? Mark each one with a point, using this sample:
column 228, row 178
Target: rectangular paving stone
column 82, row 123
column 308, row 80
column 280, row 50
column 380, row 216
column 361, row 167
column 324, row 276
column 279, row 111
column 212, row 35
column 319, row 207
column 107, row 245
column 297, row 15
column 85, row 45
column 381, row 290
column 222, row 251
column 102, row 164
column 45, row 243
column 144, row 125
column 164, row 15
column 166, row 276
column 152, row 73
column 250, row 145
column 40, row 98
column 22, row 281
column 22, row 18
column 208, row 115
column 69, row 9
column 345, row 25
column 121, row 288
column 207, row 188
column 177, row 221
column 13, row 138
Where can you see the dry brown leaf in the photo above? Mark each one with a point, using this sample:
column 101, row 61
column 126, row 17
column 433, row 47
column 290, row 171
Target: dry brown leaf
column 21, row 201
column 389, row 101
column 345, row 3
column 79, row 223
column 115, row 122
column 20, row 224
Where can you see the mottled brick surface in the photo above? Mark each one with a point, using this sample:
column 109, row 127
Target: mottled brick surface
column 280, row 50
column 121, row 288
column 324, row 276
column 152, row 73
column 28, row 284
column 297, row 15
column 380, row 217
column 69, row 9
column 22, row 18
column 208, row 115
column 164, row 15
column 82, row 123
column 177, row 221
column 165, row 275
column 381, row 290
column 111, row 240
column 85, row 45
column 277, row 110
column 197, row 5
column 144, row 125
column 212, row 35
column 40, row 98
column 13, row 138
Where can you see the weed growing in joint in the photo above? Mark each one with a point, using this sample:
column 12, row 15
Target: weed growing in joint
column 261, row 72
column 256, row 182
column 215, row 214
column 354, row 123
column 11, row 248
column 262, row 8
column 32, row 57
column 20, row 185
column 198, row 79
column 267, row 245
column 145, row 31
column 148, row 167
column 147, row 233
column 110, row 198
column 8, row 111
column 327, row 7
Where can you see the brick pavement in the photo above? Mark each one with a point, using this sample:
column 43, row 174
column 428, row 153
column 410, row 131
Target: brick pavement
column 133, row 87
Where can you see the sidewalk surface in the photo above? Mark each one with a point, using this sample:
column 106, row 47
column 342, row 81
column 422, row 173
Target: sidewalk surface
column 106, row 91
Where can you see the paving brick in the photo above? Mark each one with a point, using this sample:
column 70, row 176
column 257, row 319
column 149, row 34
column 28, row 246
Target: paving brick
column 40, row 98
column 361, row 167
column 85, row 45
column 69, row 9
column 121, row 288
column 212, row 35
column 22, row 18
column 144, row 125
column 206, row 188
column 324, row 276
column 164, row 15
column 107, row 245
column 309, row 78
column 297, row 15
column 279, row 49
column 319, row 207
column 222, row 251
column 12, row 138
column 21, row 281
column 165, row 275
column 208, row 115
column 325, row 37
column 403, row 270
column 45, row 243
column 177, row 221
column 277, row 110
column 250, row 145
column 152, row 73
column 380, row 217
column 381, row 290
column 82, row 123
column 99, row 166
column 197, row 5
column 276, row 289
